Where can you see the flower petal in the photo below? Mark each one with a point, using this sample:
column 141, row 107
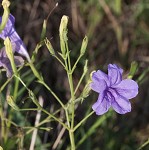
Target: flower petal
column 9, row 28
column 102, row 105
column 20, row 48
column 120, row 104
column 127, row 88
column 19, row 61
column 4, row 62
column 98, row 85
column 101, row 75
column 17, row 43
column 114, row 74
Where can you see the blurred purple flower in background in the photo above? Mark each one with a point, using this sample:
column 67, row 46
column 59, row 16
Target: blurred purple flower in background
column 17, row 46
column 114, row 92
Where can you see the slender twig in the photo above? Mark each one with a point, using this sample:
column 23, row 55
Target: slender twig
column 59, row 61
column 73, row 68
column 56, row 119
column 84, row 119
column 79, row 82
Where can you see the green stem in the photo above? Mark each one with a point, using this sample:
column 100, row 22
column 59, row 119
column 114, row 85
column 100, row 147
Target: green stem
column 29, row 109
column 42, row 108
column 71, row 135
column 76, row 63
column 70, row 80
column 45, row 85
column 67, row 117
column 59, row 61
column 79, row 82
column 69, row 74
column 3, row 136
column 16, row 88
column 55, row 96
column 84, row 119
column 4, row 85
column 52, row 116
column 69, row 63
column 43, row 121
column 35, row 71
column 13, row 123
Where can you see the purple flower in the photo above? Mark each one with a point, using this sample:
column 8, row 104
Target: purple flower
column 9, row 31
column 114, row 92
column 17, row 46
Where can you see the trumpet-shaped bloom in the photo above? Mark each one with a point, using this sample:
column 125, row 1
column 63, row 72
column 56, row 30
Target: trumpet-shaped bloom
column 113, row 91
column 17, row 43
column 17, row 46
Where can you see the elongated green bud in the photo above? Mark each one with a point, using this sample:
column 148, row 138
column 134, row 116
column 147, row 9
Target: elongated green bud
column 84, row 45
column 63, row 34
column 85, row 67
column 8, row 46
column 5, row 4
column 86, row 90
column 44, row 29
column 49, row 46
column 10, row 55
column 11, row 102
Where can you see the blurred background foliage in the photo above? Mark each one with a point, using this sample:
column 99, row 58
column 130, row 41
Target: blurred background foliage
column 118, row 32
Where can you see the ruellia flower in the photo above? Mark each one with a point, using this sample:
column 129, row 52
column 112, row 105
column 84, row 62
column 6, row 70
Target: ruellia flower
column 113, row 91
column 17, row 46
column 9, row 31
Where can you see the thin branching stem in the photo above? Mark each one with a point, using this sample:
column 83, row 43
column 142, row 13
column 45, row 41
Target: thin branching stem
column 78, row 85
column 59, row 61
column 84, row 119
column 75, row 65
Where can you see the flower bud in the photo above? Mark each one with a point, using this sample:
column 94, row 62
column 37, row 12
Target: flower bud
column 5, row 4
column 49, row 46
column 86, row 90
column 10, row 55
column 85, row 67
column 84, row 45
column 44, row 29
column 63, row 34
column 8, row 46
